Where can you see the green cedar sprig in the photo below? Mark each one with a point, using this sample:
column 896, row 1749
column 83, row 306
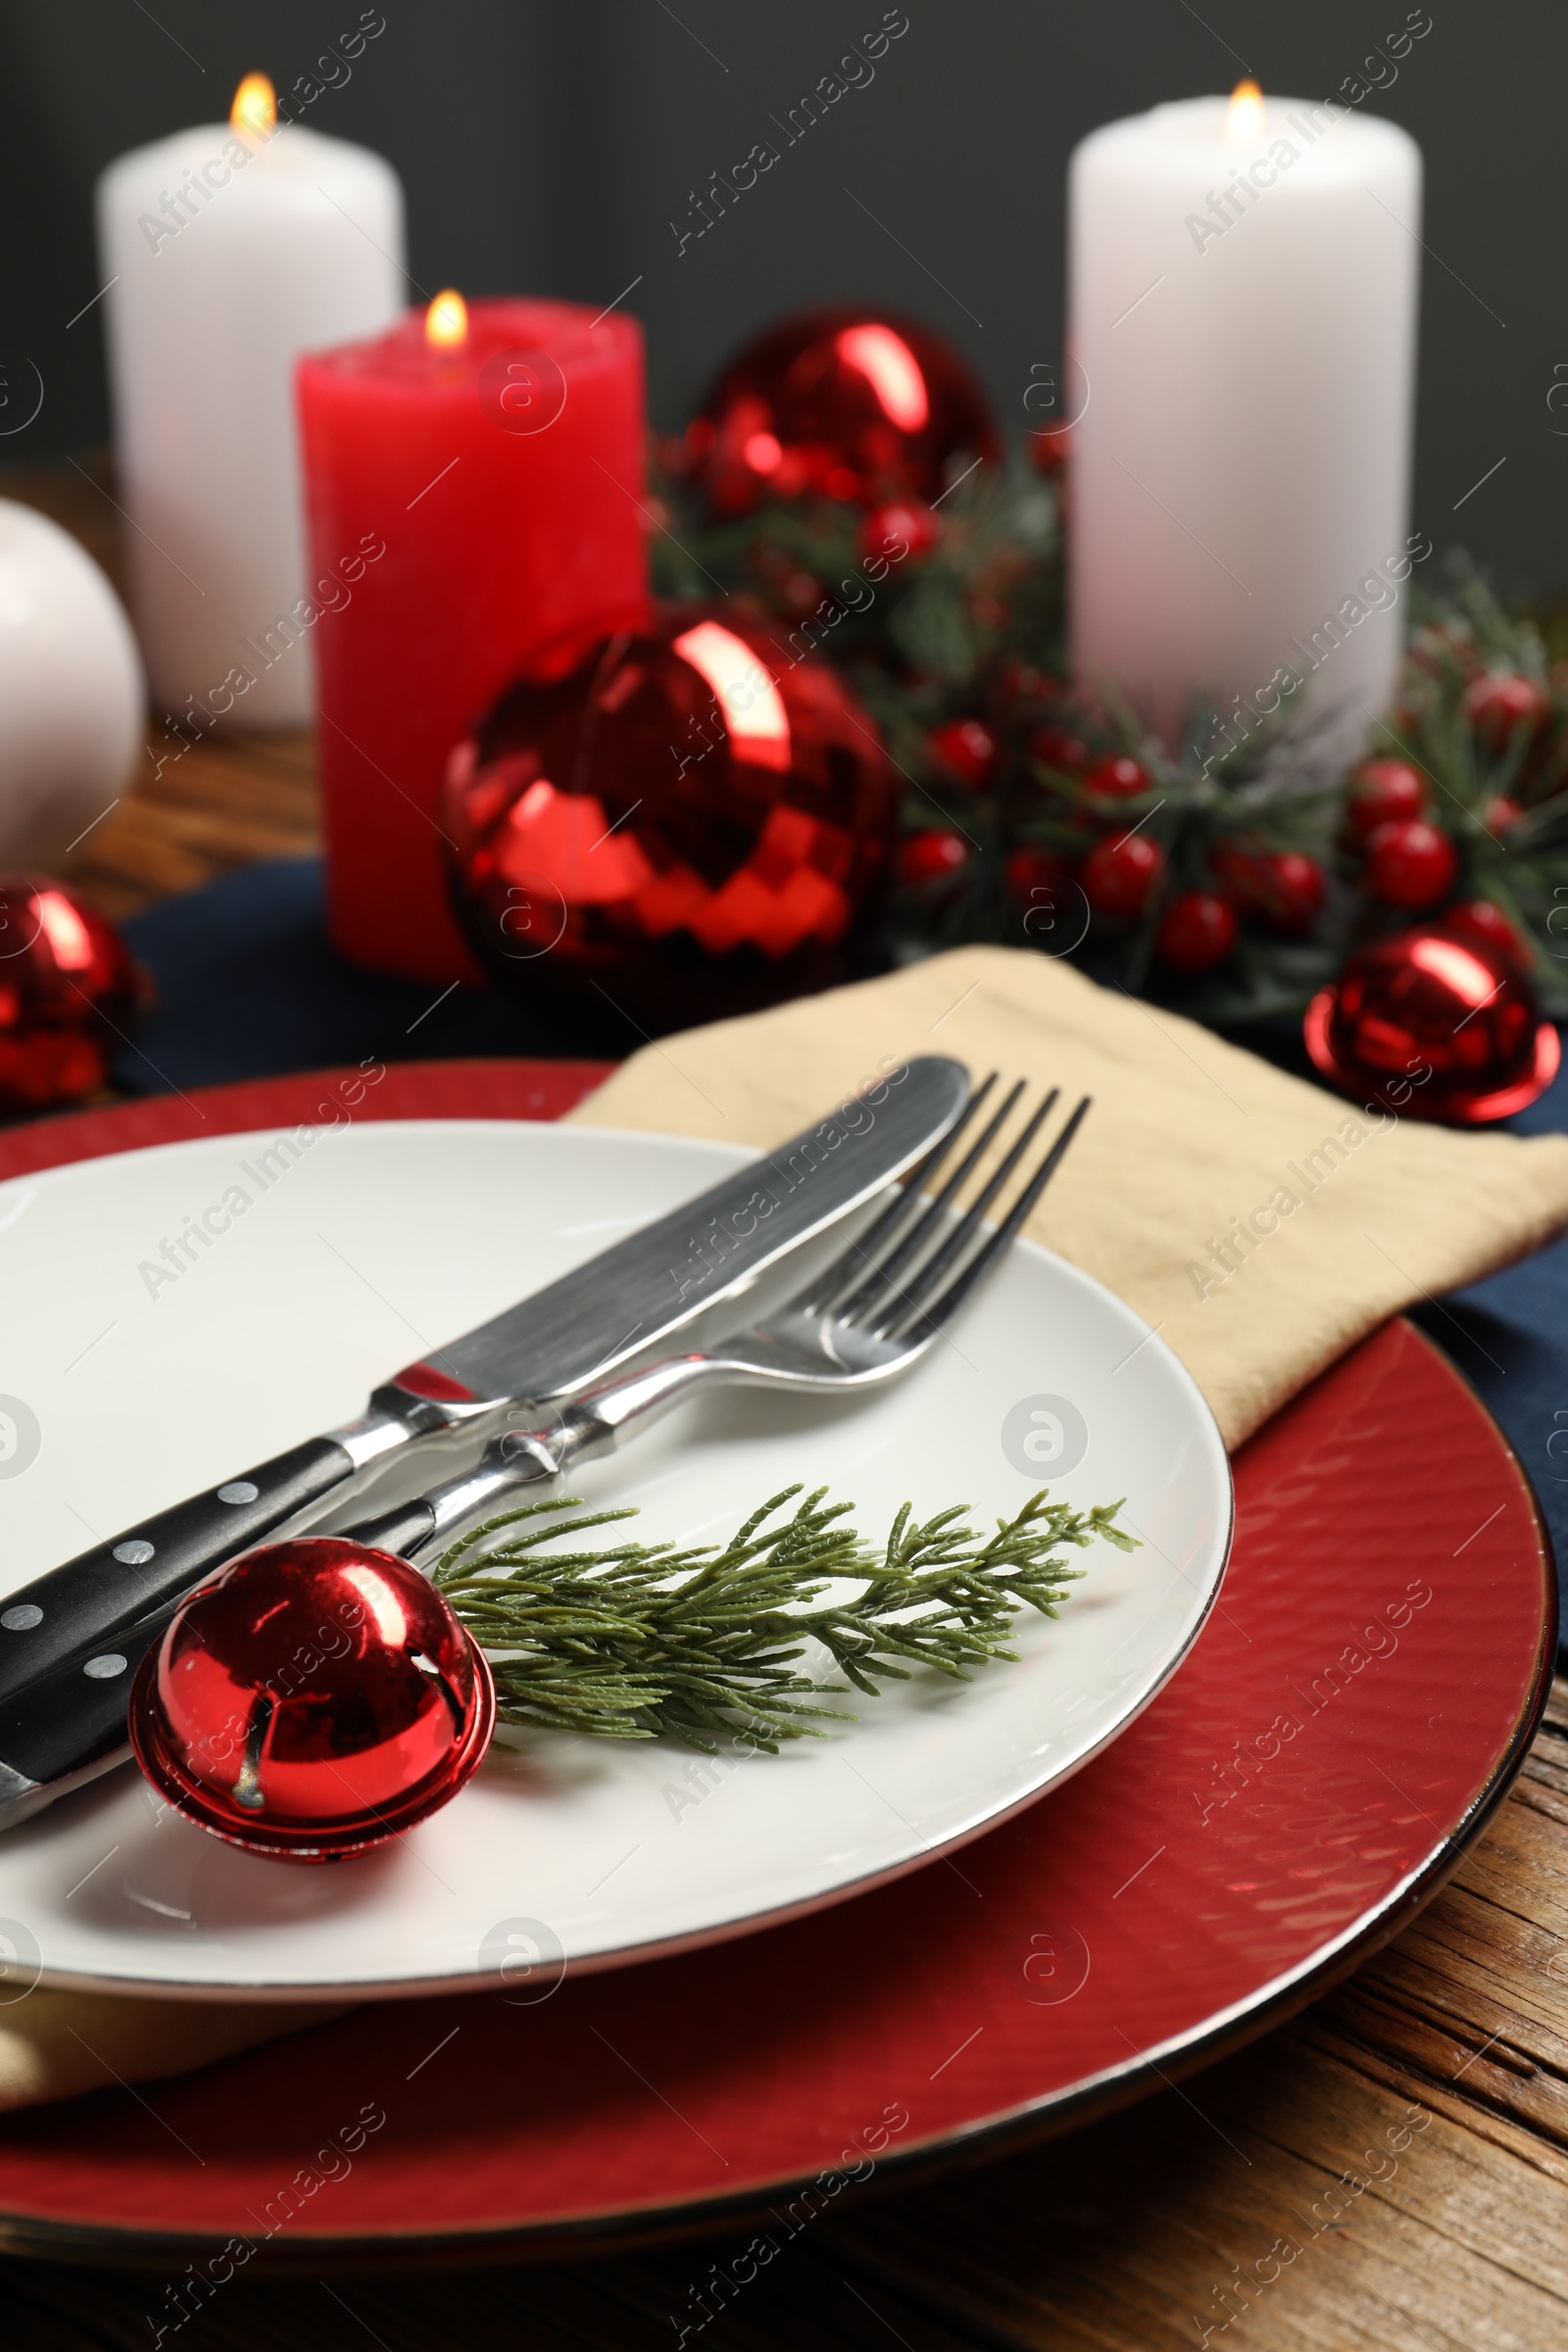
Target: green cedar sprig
column 645, row 1640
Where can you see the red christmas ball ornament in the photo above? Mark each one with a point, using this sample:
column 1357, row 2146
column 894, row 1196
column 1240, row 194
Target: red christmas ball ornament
column 683, row 824
column 1410, row 862
column 1116, row 778
column 314, row 1700
column 1434, row 1026
column 1501, row 703
column 898, row 533
column 1481, row 919
column 1196, row 931
column 842, row 403
column 1119, row 875
column 931, row 856
column 1383, row 790
column 69, row 993
column 967, row 747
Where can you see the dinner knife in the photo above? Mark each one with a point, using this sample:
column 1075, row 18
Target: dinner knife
column 563, row 1339
column 68, row 1726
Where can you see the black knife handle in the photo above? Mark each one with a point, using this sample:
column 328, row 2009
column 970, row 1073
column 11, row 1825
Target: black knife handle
column 69, row 1718
column 100, row 1590
column 75, row 1715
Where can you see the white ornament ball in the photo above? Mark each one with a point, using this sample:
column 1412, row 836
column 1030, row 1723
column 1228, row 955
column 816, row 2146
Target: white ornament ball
column 71, row 695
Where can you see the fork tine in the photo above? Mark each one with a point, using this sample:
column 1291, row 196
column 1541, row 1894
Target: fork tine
column 926, row 1281
column 929, row 1211
column 934, row 1312
column 906, row 1202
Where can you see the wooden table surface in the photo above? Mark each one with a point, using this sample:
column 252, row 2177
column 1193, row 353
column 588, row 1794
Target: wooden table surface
column 1124, row 2237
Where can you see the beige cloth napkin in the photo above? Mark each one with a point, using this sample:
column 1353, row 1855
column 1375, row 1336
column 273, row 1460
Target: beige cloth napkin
column 55, row 2043
column 1262, row 1225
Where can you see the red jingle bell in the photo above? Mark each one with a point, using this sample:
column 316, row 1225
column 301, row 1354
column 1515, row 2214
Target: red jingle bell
column 840, row 403
column 69, row 992
column 1434, row 1025
column 684, row 824
column 314, row 1700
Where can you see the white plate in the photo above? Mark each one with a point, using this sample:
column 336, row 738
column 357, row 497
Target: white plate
column 383, row 1240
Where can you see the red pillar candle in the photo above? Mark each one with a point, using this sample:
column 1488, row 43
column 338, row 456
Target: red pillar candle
column 472, row 480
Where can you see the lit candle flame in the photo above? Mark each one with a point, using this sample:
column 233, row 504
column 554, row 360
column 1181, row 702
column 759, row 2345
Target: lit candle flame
column 446, row 322
column 1243, row 118
column 255, row 107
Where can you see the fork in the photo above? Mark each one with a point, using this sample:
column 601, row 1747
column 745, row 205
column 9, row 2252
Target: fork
column 873, row 1314
column 875, row 1311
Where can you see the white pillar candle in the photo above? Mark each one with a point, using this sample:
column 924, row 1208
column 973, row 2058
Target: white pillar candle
column 230, row 250
column 1243, row 311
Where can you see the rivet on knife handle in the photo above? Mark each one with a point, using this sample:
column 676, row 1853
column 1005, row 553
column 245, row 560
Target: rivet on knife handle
column 123, row 1578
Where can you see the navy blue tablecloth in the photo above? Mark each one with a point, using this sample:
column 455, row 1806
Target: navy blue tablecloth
column 249, row 988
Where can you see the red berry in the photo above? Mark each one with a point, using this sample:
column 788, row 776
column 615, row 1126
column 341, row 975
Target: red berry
column 1285, row 886
column 906, row 524
column 1383, row 790
column 1119, row 874
column 1029, row 870
column 1049, row 451
column 925, row 856
column 1116, row 778
column 1290, row 889
column 1501, row 812
column 1410, row 862
column 1479, row 918
column 1196, row 931
column 801, row 593
column 1054, row 746
column 1022, row 682
column 968, row 749
column 1241, row 869
column 1501, row 701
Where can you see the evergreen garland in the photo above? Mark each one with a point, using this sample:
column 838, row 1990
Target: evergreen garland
column 953, row 615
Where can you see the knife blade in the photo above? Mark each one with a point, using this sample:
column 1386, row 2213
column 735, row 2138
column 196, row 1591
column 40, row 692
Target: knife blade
column 563, row 1339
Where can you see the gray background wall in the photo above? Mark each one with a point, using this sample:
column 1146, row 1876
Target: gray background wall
column 546, row 145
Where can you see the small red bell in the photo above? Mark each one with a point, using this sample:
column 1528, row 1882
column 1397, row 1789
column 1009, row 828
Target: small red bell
column 692, row 821
column 69, row 992
column 843, row 404
column 314, row 1700
column 1436, row 1024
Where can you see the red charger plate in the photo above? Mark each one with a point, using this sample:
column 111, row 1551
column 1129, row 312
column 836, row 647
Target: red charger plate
column 1351, row 1713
